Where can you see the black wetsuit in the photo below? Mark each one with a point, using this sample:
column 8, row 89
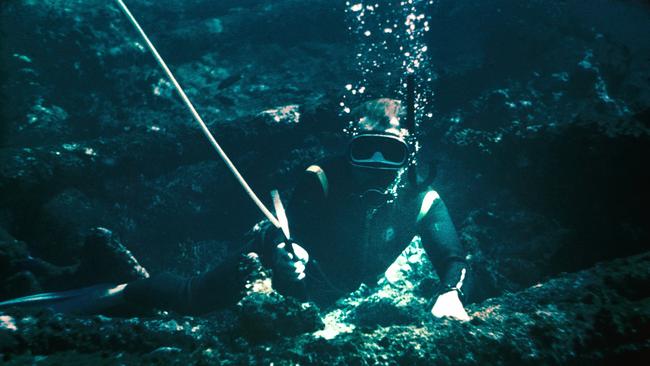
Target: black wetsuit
column 349, row 238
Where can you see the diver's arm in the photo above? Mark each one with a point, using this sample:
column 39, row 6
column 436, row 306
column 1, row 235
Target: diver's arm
column 308, row 201
column 306, row 210
column 286, row 257
column 218, row 288
column 445, row 251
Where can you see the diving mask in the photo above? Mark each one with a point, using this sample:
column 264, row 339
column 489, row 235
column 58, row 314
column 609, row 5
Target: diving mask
column 378, row 151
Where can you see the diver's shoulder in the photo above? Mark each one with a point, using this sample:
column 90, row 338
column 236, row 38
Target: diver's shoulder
column 332, row 168
column 331, row 173
column 428, row 194
column 428, row 202
column 330, row 164
column 324, row 173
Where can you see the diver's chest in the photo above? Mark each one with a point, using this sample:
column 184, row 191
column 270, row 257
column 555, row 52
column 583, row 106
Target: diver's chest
column 362, row 243
column 369, row 239
column 386, row 233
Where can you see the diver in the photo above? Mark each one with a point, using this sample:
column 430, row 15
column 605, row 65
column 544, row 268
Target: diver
column 357, row 214
column 351, row 216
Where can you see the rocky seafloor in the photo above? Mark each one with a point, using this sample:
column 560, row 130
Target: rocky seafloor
column 600, row 315
column 539, row 137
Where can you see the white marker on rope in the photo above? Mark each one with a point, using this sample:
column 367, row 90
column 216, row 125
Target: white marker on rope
column 282, row 215
column 198, row 118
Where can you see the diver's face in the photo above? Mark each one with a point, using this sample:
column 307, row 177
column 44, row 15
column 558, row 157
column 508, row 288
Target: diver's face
column 376, row 159
column 368, row 178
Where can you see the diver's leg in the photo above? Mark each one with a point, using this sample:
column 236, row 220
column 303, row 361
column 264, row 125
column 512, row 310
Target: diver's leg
column 88, row 300
column 224, row 285
column 218, row 288
column 161, row 291
column 213, row 290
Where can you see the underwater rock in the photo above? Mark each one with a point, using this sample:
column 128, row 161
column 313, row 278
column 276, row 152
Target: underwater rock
column 57, row 232
column 12, row 252
column 21, row 274
column 87, row 61
column 110, row 174
column 266, row 315
column 509, row 249
column 537, row 65
column 229, row 81
column 19, row 284
column 45, row 122
column 105, row 259
column 598, row 315
column 551, row 203
column 285, row 114
column 401, row 296
column 102, row 259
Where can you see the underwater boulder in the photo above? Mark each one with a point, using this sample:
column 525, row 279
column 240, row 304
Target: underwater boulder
column 266, row 315
column 19, row 284
column 105, row 259
column 401, row 296
column 57, row 234
column 286, row 114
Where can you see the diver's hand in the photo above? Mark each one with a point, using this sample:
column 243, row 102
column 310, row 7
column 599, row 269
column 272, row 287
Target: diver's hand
column 449, row 304
column 290, row 262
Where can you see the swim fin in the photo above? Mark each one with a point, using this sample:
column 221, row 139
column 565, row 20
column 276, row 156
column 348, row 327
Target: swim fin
column 84, row 301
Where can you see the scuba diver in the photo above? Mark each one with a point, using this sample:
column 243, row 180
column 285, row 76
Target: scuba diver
column 356, row 214
column 351, row 216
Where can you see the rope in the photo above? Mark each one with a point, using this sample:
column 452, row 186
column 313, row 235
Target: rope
column 198, row 118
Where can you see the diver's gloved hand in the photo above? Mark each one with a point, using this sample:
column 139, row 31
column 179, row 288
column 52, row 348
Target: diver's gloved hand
column 290, row 261
column 449, row 304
